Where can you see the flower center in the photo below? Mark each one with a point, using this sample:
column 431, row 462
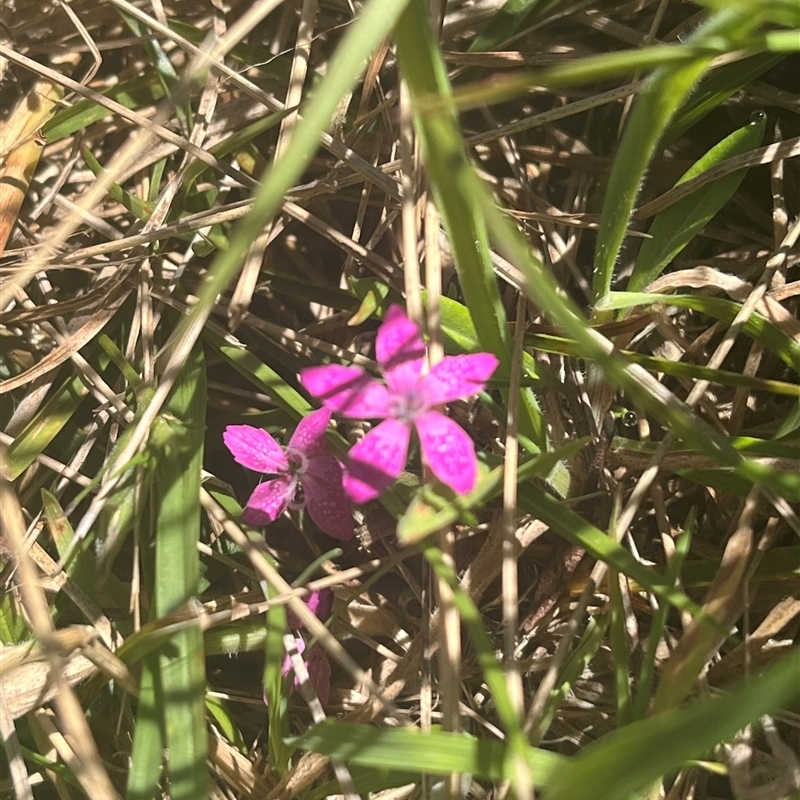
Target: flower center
column 407, row 406
column 298, row 463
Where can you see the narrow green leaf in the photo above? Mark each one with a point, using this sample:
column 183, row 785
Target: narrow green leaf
column 179, row 439
column 629, row 759
column 140, row 209
column 647, row 672
column 432, row 753
column 717, row 87
column 491, row 667
column 664, row 93
column 577, row 531
column 137, row 93
column 450, row 174
column 676, row 226
column 44, row 427
column 431, row 511
column 147, row 751
column 786, row 347
column 372, row 25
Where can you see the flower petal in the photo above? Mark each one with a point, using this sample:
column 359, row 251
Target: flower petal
column 326, row 501
column 317, row 666
column 286, row 667
column 347, row 390
column 320, row 603
column 255, row 449
column 309, row 435
column 269, row 500
column 319, row 672
column 376, row 461
column 448, row 451
column 400, row 350
column 458, row 376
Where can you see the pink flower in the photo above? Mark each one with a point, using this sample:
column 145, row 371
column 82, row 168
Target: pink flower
column 308, row 475
column 317, row 664
column 406, row 401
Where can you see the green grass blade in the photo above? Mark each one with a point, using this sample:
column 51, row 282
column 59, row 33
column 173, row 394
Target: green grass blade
column 44, row 427
column 644, row 685
column 373, row 24
column 664, row 93
column 137, row 93
column 433, row 510
column 577, row 531
column 147, row 752
column 575, row 666
column 631, row 758
column 619, row 650
column 757, row 327
column 676, row 226
column 717, row 87
column 432, row 753
column 491, row 667
column 181, row 663
column 450, row 174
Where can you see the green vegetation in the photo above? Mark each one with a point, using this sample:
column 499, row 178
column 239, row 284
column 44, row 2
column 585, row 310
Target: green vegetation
column 604, row 197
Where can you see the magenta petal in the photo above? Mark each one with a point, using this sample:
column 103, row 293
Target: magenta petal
column 269, row 500
column 286, row 667
column 448, row 451
column 326, row 501
column 319, row 672
column 309, row 435
column 375, row 462
column 400, row 350
column 255, row 449
column 320, row 603
column 347, row 390
column 317, row 666
column 458, row 376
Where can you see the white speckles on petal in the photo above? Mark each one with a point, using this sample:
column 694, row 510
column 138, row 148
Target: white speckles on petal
column 309, row 435
column 376, row 461
column 269, row 500
column 255, row 449
column 448, row 451
column 326, row 501
column 458, row 376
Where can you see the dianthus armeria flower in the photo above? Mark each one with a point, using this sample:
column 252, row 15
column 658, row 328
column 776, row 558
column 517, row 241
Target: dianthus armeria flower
column 407, row 400
column 307, row 475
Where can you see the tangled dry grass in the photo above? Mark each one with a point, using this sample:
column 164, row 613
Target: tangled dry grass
column 151, row 295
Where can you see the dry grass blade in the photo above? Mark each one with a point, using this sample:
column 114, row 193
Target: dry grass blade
column 84, row 757
column 21, row 146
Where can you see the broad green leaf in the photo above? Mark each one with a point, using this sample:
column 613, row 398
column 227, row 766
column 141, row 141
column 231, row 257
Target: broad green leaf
column 676, row 226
